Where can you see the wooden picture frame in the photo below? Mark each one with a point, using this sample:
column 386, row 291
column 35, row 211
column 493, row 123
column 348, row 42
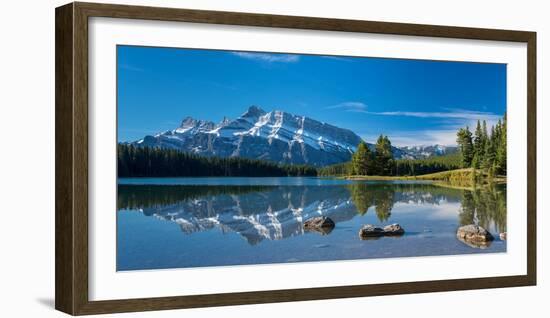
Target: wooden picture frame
column 71, row 222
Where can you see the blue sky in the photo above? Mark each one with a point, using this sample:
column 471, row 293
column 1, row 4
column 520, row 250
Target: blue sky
column 414, row 102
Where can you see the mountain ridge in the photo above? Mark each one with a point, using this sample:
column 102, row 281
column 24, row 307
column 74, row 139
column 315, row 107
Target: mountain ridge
column 276, row 136
column 427, row 151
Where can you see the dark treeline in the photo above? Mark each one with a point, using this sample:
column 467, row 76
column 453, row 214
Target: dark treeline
column 402, row 167
column 339, row 169
column 157, row 162
column 153, row 196
column 380, row 162
column 414, row 167
column 482, row 149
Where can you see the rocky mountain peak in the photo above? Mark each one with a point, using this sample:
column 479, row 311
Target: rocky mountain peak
column 254, row 111
column 225, row 121
column 188, row 122
column 192, row 125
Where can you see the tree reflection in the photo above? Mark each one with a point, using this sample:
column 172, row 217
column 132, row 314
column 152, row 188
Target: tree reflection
column 485, row 207
column 383, row 200
column 151, row 196
column 276, row 212
column 380, row 196
column 362, row 197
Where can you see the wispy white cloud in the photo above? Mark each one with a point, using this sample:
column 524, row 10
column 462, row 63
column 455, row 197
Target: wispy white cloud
column 267, row 57
column 454, row 113
column 445, row 124
column 449, row 113
column 442, row 135
column 357, row 107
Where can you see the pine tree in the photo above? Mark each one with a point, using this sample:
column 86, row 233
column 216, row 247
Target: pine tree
column 475, row 161
column 362, row 160
column 485, row 151
column 383, row 156
column 501, row 155
column 484, row 138
column 490, row 152
column 479, row 146
column 464, row 141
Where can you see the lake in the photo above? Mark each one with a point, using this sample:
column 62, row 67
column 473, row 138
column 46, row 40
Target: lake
column 194, row 222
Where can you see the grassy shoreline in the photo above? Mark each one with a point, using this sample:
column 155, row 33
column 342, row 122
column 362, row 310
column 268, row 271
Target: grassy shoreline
column 460, row 178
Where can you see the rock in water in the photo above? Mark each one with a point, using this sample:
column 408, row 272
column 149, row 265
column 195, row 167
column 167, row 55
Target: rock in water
column 474, row 233
column 474, row 236
column 503, row 236
column 369, row 231
column 393, row 230
column 319, row 221
column 321, row 224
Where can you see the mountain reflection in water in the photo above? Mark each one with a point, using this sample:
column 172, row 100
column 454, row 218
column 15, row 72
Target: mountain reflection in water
column 277, row 212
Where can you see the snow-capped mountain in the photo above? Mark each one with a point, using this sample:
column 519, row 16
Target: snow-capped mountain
column 275, row 136
column 419, row 152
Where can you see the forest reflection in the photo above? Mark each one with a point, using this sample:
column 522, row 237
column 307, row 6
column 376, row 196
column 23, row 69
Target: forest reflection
column 484, row 206
column 293, row 204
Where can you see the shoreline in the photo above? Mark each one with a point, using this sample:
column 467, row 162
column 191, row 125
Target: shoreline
column 459, row 178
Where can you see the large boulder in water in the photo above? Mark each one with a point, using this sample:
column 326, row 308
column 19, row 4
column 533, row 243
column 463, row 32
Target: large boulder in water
column 370, row 231
column 393, row 230
column 321, row 224
column 474, row 236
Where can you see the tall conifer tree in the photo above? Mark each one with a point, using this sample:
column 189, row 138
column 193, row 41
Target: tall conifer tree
column 464, row 141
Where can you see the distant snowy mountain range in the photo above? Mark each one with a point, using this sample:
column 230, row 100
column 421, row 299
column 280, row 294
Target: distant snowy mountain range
column 418, row 152
column 275, row 136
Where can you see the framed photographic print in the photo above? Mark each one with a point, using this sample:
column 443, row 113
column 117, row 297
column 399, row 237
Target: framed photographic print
column 211, row 158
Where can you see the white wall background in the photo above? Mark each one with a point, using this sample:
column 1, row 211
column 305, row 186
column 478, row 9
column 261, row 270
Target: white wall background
column 27, row 157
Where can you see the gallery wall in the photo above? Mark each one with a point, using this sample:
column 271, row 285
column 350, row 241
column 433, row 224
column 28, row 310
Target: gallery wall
column 27, row 157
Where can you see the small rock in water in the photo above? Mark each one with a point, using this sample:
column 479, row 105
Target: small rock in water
column 369, row 230
column 319, row 221
column 502, row 236
column 393, row 230
column 320, row 224
column 474, row 232
column 474, row 236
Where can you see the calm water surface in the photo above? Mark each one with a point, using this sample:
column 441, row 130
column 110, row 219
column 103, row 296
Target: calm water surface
column 193, row 222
